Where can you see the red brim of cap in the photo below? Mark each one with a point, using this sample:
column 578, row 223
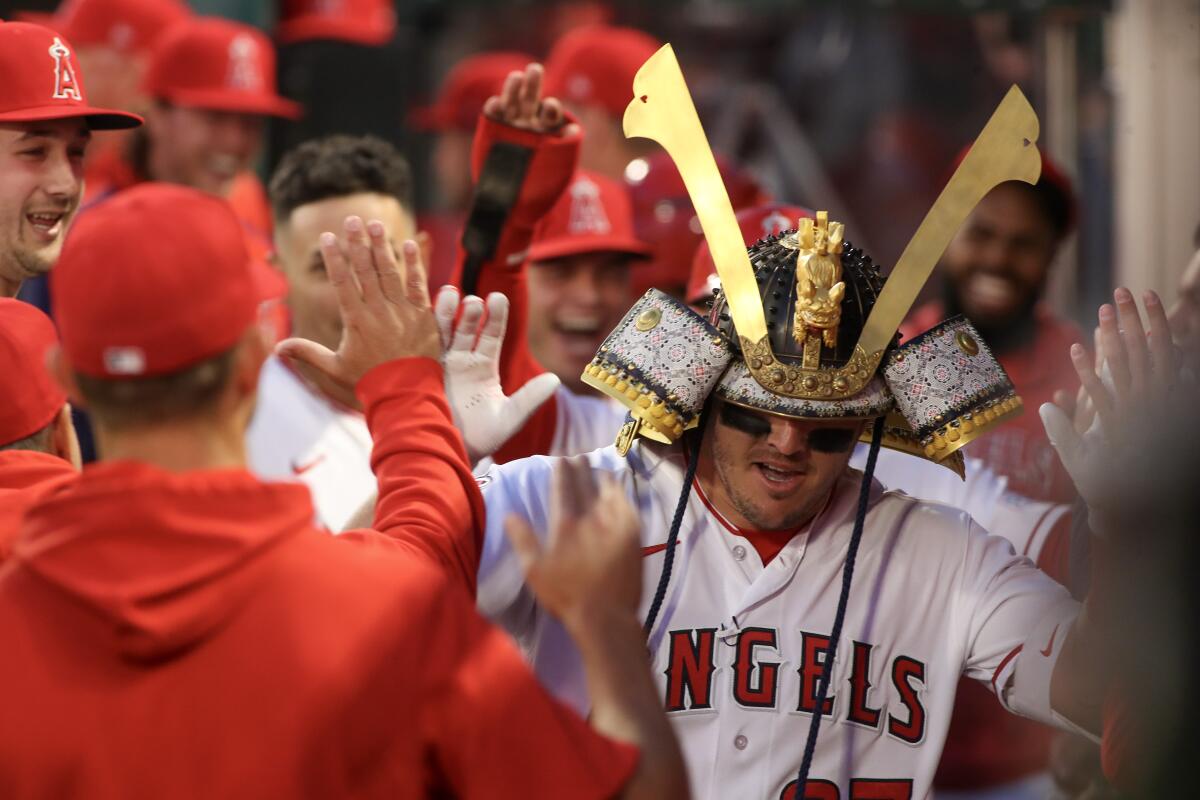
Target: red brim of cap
column 267, row 105
column 98, row 119
column 313, row 27
column 551, row 249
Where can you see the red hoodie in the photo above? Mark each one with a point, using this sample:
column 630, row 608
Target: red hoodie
column 193, row 635
column 24, row 476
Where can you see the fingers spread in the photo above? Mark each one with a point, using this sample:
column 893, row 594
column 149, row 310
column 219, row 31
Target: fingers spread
column 550, row 113
column 510, row 95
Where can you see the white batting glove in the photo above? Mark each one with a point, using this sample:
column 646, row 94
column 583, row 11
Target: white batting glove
column 483, row 414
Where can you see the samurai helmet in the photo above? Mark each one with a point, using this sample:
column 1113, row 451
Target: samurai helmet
column 805, row 324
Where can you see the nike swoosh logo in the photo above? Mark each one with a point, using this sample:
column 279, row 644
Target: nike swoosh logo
column 652, row 549
column 1050, row 647
column 300, row 469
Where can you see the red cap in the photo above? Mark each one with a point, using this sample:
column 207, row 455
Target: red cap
column 758, row 222
column 663, row 215
column 42, row 80
column 592, row 216
column 125, row 25
column 595, row 66
column 151, row 281
column 369, row 22
column 217, row 65
column 31, row 397
column 472, row 81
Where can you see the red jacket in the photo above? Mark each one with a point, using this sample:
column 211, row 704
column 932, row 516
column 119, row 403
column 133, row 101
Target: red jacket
column 24, row 475
column 550, row 172
column 193, row 635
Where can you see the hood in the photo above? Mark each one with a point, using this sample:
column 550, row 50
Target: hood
column 163, row 559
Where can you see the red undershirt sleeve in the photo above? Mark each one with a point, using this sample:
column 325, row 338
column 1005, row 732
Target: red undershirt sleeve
column 428, row 501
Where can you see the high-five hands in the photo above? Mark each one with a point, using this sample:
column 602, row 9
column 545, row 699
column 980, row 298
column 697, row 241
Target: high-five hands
column 520, row 104
column 484, row 416
column 590, row 565
column 1140, row 368
column 384, row 305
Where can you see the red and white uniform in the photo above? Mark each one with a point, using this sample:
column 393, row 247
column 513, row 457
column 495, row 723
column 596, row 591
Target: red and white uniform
column 738, row 645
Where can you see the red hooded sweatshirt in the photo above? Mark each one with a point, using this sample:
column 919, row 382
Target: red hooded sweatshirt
column 193, row 635
column 24, row 475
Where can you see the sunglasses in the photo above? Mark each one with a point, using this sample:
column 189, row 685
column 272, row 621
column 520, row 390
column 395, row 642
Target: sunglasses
column 820, row 440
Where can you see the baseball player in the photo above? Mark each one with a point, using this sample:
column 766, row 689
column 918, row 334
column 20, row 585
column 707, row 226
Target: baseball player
column 45, row 127
column 736, row 457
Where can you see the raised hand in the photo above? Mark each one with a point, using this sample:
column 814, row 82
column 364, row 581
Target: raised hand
column 384, row 305
column 471, row 359
column 520, row 104
column 590, row 566
column 1140, row 369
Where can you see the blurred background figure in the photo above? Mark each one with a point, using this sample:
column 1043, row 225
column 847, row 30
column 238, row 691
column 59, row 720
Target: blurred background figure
column 580, row 265
column 213, row 88
column 591, row 70
column 452, row 119
column 305, row 427
column 113, row 40
column 663, row 217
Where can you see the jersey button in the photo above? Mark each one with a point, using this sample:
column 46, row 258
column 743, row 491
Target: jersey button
column 739, row 553
column 740, row 742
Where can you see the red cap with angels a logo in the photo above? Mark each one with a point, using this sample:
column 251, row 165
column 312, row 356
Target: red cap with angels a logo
column 217, row 65
column 41, row 80
column 594, row 215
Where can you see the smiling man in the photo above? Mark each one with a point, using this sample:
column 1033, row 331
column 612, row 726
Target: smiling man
column 45, row 126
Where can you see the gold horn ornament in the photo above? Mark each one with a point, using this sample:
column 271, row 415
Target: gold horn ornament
column 662, row 110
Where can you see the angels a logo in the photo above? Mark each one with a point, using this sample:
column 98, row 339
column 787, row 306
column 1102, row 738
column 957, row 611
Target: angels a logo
column 775, row 223
column 587, row 212
column 65, row 85
column 244, row 72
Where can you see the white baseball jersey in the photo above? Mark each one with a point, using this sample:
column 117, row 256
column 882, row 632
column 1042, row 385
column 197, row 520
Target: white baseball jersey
column 299, row 434
column 585, row 422
column 738, row 648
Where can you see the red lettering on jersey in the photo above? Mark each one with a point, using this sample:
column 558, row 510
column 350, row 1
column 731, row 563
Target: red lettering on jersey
column 860, row 789
column 904, row 670
column 690, row 668
column 745, row 690
column 814, row 649
column 860, row 685
column 814, row 789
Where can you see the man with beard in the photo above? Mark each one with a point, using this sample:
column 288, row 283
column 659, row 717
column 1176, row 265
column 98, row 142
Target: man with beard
column 45, row 127
column 995, row 271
